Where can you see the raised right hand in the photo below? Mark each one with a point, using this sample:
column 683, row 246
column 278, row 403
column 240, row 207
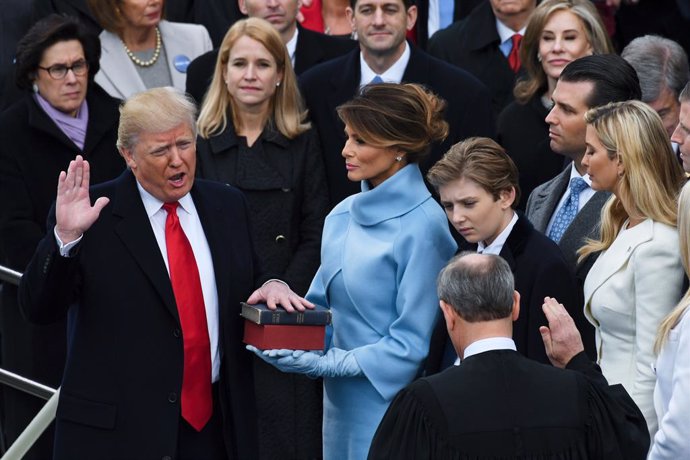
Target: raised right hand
column 73, row 211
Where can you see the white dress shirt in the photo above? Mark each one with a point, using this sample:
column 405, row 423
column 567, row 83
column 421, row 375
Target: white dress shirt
column 291, row 46
column 393, row 74
column 497, row 244
column 489, row 344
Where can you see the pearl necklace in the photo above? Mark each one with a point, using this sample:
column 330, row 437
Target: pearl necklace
column 154, row 58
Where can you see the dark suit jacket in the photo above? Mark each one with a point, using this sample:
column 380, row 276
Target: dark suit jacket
column 333, row 83
column 542, row 204
column 540, row 270
column 312, row 48
column 524, row 134
column 120, row 391
column 500, row 405
column 472, row 44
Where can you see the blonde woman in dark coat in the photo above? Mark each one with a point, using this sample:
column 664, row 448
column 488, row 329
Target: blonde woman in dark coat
column 253, row 136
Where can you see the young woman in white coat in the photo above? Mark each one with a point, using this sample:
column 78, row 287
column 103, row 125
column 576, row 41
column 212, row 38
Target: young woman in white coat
column 672, row 391
column 638, row 276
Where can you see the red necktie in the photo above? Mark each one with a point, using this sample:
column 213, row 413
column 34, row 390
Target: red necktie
column 514, row 56
column 197, row 401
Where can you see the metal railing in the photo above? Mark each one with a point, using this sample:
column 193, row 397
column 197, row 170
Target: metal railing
column 46, row 415
column 9, row 275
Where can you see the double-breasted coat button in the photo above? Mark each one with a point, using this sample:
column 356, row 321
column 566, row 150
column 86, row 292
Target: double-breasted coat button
column 280, row 238
column 285, row 189
column 172, row 397
column 167, row 457
column 177, row 332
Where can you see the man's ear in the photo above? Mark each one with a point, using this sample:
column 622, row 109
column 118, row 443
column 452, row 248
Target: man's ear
column 507, row 198
column 243, row 6
column 411, row 17
column 449, row 315
column 516, row 306
column 129, row 158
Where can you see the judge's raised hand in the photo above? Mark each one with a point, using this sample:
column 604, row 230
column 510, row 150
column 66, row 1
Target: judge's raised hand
column 73, row 211
column 561, row 338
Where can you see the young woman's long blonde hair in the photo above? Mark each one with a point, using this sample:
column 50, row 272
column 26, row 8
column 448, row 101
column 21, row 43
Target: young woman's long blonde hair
column 286, row 110
column 684, row 238
column 634, row 133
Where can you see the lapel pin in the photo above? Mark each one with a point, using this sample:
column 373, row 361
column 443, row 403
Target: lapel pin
column 181, row 62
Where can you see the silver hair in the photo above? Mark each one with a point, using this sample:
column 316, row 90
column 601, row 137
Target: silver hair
column 659, row 63
column 479, row 288
column 154, row 111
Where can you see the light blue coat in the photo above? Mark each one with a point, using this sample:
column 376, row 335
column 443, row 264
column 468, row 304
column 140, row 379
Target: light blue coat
column 382, row 250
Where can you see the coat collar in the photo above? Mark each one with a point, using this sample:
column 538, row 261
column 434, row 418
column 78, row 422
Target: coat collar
column 133, row 227
column 101, row 121
column 481, row 28
column 396, row 196
column 119, row 68
column 228, row 138
column 617, row 255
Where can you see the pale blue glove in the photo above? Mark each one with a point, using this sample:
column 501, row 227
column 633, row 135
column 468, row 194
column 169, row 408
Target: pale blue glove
column 335, row 363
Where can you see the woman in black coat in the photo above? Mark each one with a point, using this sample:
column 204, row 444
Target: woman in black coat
column 478, row 187
column 66, row 114
column 252, row 136
column 558, row 32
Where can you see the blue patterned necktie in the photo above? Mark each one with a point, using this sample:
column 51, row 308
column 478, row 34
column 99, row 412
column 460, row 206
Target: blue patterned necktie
column 568, row 211
column 376, row 79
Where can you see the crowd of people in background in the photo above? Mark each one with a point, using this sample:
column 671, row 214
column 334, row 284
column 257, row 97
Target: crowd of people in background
column 190, row 155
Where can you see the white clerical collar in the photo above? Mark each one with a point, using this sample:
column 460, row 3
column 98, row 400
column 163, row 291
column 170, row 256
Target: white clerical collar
column 497, row 244
column 490, row 344
column 574, row 173
column 506, row 33
column 153, row 204
column 291, row 46
column 394, row 74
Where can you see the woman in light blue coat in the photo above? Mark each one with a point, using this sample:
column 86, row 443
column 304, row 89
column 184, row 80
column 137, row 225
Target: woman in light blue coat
column 381, row 252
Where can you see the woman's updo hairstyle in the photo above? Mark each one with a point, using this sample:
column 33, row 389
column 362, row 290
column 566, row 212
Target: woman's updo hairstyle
column 400, row 116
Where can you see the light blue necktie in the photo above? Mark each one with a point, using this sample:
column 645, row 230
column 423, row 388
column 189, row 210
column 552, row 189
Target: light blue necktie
column 568, row 211
column 376, row 79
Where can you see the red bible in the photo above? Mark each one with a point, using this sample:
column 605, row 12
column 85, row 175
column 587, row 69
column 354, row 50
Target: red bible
column 275, row 329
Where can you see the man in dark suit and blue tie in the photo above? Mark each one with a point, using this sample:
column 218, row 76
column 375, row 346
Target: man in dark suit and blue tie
column 151, row 274
column 566, row 208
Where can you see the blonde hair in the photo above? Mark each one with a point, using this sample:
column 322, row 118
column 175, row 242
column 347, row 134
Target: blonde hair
column 594, row 28
column 286, row 110
column 634, row 133
column 401, row 116
column 674, row 317
column 154, row 111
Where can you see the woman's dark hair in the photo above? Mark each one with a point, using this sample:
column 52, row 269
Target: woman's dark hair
column 44, row 34
column 402, row 116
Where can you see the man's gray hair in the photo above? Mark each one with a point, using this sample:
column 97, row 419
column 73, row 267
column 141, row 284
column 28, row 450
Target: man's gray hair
column 154, row 111
column 478, row 286
column 659, row 62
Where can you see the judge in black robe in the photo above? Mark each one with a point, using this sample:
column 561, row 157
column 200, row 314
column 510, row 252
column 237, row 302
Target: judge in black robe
column 498, row 404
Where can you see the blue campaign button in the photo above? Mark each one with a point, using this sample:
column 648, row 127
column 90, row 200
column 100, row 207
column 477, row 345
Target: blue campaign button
column 181, row 62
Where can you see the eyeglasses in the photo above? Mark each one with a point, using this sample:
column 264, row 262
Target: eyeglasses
column 59, row 71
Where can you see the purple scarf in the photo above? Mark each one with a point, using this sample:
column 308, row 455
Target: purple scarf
column 73, row 127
